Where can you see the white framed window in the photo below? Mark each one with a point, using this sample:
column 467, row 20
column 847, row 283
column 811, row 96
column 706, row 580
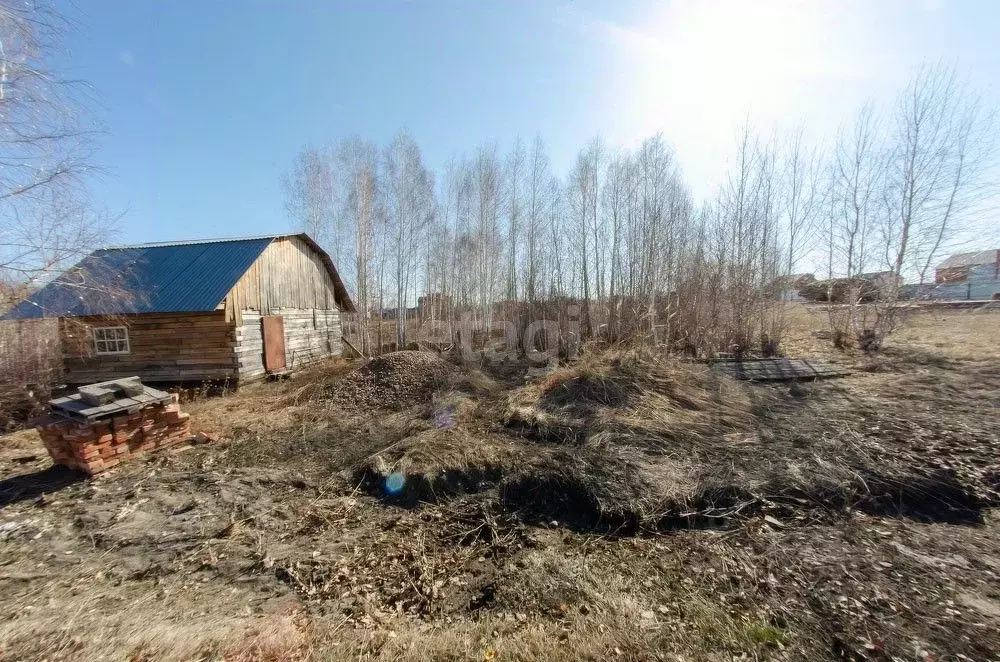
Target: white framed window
column 111, row 340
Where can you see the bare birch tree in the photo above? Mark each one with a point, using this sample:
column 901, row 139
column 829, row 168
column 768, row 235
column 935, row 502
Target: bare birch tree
column 309, row 200
column 410, row 206
column 941, row 142
column 540, row 191
column 487, row 186
column 857, row 174
column 362, row 208
column 801, row 197
column 46, row 220
column 616, row 198
column 515, row 204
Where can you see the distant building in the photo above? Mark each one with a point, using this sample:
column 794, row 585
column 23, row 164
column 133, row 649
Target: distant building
column 867, row 287
column 969, row 267
column 965, row 276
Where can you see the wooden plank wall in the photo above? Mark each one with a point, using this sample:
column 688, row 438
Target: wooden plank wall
column 166, row 347
column 310, row 335
column 288, row 274
column 250, row 346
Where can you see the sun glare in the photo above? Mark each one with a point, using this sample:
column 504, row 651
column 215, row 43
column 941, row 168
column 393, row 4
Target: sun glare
column 699, row 66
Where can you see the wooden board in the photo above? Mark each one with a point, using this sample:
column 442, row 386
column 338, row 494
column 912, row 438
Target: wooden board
column 273, row 330
column 779, row 370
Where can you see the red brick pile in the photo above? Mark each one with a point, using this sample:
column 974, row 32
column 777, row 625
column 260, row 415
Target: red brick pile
column 96, row 447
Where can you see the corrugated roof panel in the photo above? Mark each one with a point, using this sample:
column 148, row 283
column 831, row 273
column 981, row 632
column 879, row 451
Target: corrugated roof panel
column 184, row 277
column 197, row 287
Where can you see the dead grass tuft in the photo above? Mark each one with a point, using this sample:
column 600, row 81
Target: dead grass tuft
column 281, row 637
column 627, row 428
column 649, row 442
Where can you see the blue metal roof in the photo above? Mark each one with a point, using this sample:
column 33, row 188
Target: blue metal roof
column 153, row 278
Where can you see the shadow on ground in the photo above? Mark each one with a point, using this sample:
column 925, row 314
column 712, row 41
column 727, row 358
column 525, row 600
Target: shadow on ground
column 26, row 487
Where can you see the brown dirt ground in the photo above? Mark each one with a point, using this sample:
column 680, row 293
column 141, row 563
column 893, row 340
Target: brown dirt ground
column 279, row 543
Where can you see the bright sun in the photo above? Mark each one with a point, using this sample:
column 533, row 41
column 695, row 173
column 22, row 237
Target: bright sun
column 697, row 70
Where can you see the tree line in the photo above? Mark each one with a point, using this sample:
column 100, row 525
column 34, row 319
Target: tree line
column 621, row 234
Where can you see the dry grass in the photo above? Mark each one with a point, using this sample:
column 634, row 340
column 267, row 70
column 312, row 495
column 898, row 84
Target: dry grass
column 655, row 398
column 275, row 405
column 90, row 619
column 958, row 335
column 619, row 441
column 825, row 521
column 950, row 334
column 283, row 637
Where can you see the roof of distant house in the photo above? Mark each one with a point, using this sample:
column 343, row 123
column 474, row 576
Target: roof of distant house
column 972, row 259
column 183, row 276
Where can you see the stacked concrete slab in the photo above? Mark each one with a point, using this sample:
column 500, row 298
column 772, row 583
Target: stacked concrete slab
column 107, row 423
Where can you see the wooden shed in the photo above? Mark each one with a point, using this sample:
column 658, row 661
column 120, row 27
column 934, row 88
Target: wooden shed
column 228, row 309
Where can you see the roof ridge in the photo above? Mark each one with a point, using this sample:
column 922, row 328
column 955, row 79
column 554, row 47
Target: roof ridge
column 195, row 242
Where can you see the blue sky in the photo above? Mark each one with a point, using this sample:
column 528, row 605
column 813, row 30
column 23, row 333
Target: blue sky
column 205, row 104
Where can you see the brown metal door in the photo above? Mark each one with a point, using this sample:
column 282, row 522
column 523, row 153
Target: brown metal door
column 274, row 342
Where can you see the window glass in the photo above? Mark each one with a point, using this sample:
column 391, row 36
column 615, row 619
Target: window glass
column 111, row 340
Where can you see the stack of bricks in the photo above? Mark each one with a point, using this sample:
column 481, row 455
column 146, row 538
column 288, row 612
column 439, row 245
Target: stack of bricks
column 101, row 445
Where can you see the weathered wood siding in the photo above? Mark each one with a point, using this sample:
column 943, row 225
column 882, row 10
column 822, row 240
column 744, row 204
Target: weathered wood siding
column 984, row 273
column 288, row 279
column 250, row 346
column 310, row 335
column 288, row 274
column 164, row 347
